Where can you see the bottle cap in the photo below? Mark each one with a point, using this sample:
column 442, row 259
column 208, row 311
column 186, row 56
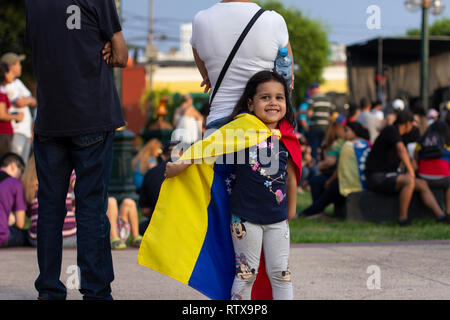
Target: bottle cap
column 284, row 52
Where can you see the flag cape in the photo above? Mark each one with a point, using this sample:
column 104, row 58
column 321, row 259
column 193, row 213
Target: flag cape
column 189, row 238
column 352, row 165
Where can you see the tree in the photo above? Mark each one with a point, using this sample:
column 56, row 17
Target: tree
column 440, row 27
column 12, row 32
column 309, row 42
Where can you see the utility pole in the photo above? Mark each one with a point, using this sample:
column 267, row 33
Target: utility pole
column 151, row 50
column 425, row 52
column 436, row 7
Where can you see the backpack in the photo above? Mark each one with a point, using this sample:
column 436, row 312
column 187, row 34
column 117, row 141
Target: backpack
column 433, row 146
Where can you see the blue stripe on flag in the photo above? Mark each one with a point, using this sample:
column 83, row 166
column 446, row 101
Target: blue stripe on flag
column 211, row 276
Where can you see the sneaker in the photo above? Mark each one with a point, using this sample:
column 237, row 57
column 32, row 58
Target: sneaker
column 443, row 219
column 117, row 244
column 318, row 216
column 404, row 222
column 136, row 242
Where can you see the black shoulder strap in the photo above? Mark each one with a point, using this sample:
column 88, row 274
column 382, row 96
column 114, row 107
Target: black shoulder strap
column 233, row 53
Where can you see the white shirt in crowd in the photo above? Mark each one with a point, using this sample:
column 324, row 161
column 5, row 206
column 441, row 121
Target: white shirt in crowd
column 15, row 90
column 216, row 31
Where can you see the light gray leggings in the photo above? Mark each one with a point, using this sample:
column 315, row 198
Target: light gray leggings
column 248, row 238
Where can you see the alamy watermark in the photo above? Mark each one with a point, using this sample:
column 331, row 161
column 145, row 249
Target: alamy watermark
column 73, row 280
column 374, row 20
column 73, row 22
column 374, row 280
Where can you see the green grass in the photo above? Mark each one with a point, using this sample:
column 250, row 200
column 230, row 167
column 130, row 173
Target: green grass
column 314, row 231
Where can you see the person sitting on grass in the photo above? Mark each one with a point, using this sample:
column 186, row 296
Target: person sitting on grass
column 123, row 220
column 12, row 199
column 382, row 169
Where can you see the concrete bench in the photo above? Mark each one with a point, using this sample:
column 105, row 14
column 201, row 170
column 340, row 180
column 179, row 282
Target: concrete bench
column 375, row 207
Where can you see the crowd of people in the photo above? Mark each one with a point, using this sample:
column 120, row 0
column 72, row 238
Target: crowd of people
column 390, row 150
column 19, row 180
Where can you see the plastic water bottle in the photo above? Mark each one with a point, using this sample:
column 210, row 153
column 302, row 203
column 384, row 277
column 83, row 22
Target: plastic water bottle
column 283, row 65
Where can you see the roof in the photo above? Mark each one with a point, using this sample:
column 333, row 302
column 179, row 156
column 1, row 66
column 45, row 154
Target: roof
column 396, row 50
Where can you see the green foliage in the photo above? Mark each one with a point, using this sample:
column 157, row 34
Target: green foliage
column 316, row 231
column 309, row 42
column 440, row 27
column 150, row 101
column 12, row 32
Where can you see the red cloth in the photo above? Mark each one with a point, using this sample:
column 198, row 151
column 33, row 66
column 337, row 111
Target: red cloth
column 5, row 126
column 262, row 290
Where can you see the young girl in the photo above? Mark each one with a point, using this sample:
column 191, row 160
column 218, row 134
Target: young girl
column 264, row 194
column 6, row 129
column 145, row 160
column 30, row 183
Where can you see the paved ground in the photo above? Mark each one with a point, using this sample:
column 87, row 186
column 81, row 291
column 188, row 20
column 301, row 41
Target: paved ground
column 419, row 270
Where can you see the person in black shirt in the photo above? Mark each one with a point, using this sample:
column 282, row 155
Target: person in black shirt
column 151, row 186
column 74, row 45
column 383, row 162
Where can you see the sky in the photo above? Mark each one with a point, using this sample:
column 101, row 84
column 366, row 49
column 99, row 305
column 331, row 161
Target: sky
column 346, row 19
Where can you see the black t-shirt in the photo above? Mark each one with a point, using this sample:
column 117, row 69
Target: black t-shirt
column 259, row 193
column 75, row 87
column 383, row 157
column 151, row 186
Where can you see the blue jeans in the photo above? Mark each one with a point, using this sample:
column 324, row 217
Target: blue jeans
column 328, row 196
column 214, row 125
column 17, row 237
column 315, row 138
column 91, row 157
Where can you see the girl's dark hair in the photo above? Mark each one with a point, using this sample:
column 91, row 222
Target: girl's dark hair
column 4, row 69
column 359, row 130
column 250, row 92
column 441, row 128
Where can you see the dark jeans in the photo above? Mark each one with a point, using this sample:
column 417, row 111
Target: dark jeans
column 328, row 196
column 17, row 237
column 317, row 185
column 315, row 138
column 91, row 157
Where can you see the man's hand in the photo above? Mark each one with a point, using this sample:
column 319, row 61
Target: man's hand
column 115, row 52
column 106, row 52
column 207, row 84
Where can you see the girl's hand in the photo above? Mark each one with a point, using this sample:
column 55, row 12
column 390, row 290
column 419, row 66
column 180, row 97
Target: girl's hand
column 174, row 169
column 19, row 116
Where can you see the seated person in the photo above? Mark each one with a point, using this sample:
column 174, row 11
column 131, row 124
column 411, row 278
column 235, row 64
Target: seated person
column 433, row 158
column 382, row 169
column 12, row 199
column 144, row 161
column 30, row 183
column 124, row 221
column 327, row 167
column 350, row 158
column 151, row 186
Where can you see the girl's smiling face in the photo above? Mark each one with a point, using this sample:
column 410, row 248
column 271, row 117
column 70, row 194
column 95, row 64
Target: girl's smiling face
column 269, row 103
